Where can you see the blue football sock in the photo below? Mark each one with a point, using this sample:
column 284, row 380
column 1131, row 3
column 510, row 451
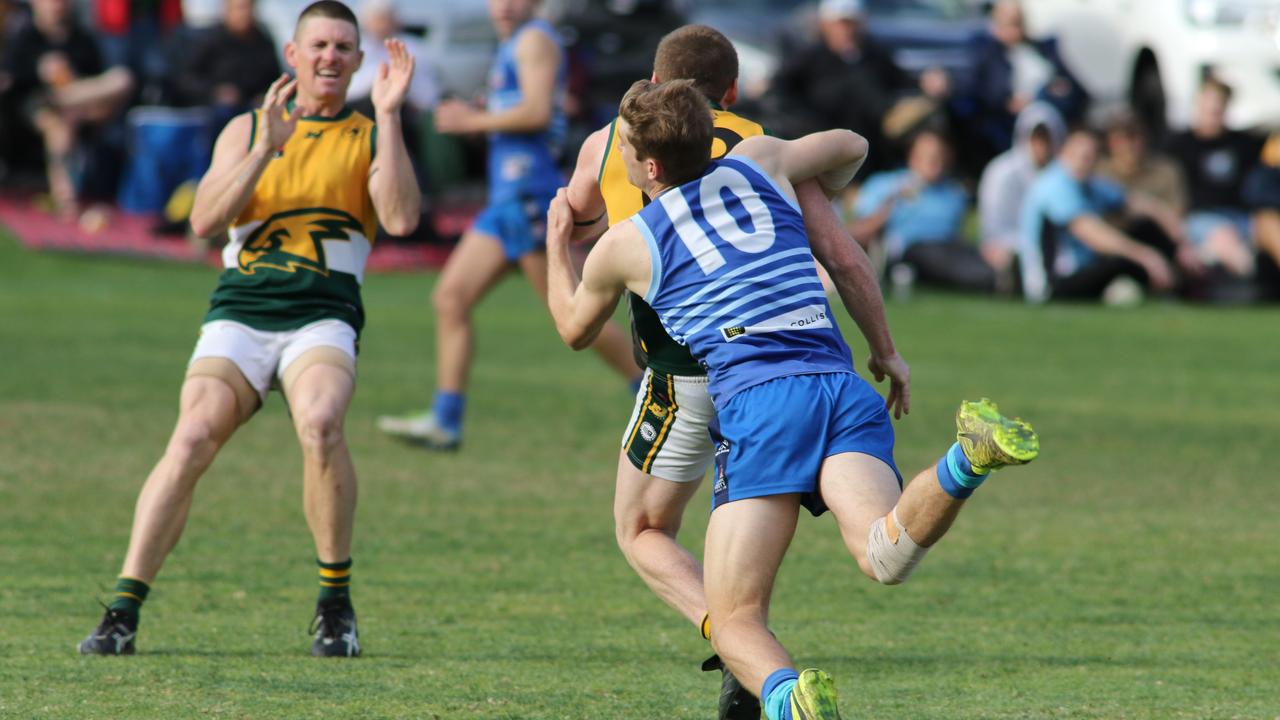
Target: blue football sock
column 448, row 407
column 956, row 475
column 777, row 693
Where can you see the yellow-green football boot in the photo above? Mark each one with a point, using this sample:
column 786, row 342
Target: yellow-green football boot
column 814, row 697
column 990, row 440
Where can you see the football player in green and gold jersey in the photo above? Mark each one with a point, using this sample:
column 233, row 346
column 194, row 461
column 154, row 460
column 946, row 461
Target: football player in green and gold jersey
column 299, row 186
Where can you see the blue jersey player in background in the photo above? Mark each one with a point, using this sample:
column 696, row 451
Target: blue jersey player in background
column 526, row 125
column 721, row 255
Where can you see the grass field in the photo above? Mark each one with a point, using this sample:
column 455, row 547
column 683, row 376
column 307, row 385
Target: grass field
column 1131, row 572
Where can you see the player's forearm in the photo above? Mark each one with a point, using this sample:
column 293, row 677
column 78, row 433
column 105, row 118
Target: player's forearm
column 530, row 116
column 396, row 195
column 850, row 152
column 860, row 293
column 562, row 285
column 849, row 267
column 219, row 200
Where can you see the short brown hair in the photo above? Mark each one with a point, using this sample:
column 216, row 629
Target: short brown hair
column 669, row 122
column 331, row 9
column 701, row 54
column 1211, row 81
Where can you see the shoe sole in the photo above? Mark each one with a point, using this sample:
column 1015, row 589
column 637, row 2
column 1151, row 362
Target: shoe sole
column 815, row 696
column 1014, row 437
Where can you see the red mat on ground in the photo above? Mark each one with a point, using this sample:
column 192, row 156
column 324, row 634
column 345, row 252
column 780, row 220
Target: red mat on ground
column 130, row 235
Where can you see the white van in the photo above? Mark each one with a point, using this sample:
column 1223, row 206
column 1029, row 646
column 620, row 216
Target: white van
column 1153, row 53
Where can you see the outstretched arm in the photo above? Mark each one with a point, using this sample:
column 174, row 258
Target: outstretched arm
column 589, row 217
column 393, row 187
column 856, row 283
column 581, row 308
column 538, row 61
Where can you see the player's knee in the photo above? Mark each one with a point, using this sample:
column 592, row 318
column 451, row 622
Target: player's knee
column 448, row 303
column 892, row 559
column 319, row 432
column 194, row 437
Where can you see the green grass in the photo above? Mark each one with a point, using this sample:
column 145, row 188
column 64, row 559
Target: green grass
column 1131, row 572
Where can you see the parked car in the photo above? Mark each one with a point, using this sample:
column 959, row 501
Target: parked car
column 1153, row 53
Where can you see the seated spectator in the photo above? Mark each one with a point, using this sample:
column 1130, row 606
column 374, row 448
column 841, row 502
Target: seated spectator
column 379, row 23
column 64, row 91
column 1216, row 161
column 1068, row 251
column 1039, row 132
column 1262, row 193
column 918, row 214
column 231, row 65
column 1010, row 71
column 135, row 34
column 1130, row 163
column 846, row 80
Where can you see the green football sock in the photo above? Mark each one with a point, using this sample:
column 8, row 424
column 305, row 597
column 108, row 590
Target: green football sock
column 130, row 594
column 335, row 583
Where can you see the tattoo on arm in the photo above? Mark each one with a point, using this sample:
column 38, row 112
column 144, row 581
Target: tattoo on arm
column 374, row 171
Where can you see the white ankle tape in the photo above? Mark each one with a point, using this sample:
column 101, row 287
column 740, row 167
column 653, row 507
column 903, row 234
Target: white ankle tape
column 892, row 562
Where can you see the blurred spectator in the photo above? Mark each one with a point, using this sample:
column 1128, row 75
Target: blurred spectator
column 12, row 145
column 231, row 65
column 918, row 214
column 1010, row 71
column 134, row 34
column 1216, row 161
column 1038, row 133
column 63, row 89
column 379, row 23
column 1068, row 251
column 1130, row 162
column 846, row 80
column 1262, row 192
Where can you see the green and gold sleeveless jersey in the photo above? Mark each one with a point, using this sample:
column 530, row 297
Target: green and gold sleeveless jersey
column 654, row 347
column 296, row 253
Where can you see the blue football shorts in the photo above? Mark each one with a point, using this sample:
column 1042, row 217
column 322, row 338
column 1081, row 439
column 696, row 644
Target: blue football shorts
column 519, row 224
column 771, row 438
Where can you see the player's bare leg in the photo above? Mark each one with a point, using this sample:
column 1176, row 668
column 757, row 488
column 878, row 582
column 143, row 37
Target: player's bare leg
column 746, row 540
column 210, row 409
column 887, row 532
column 319, row 395
column 613, row 345
column 474, row 266
column 209, row 414
column 318, row 400
column 647, row 512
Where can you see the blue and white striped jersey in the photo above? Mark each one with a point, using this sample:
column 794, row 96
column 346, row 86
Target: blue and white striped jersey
column 733, row 279
column 523, row 165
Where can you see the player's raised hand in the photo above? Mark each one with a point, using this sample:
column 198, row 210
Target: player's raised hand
column 895, row 368
column 278, row 123
column 560, row 218
column 391, row 84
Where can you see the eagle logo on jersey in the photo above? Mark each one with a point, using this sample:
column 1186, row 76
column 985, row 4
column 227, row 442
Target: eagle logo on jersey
column 294, row 240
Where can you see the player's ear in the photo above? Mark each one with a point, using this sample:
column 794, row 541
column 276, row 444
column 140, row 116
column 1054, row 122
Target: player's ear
column 291, row 54
column 654, row 78
column 359, row 61
column 730, row 95
column 652, row 169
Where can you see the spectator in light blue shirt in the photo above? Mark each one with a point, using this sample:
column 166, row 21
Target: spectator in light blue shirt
column 1068, row 251
column 918, row 214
